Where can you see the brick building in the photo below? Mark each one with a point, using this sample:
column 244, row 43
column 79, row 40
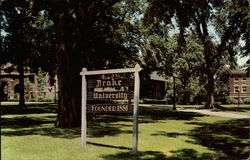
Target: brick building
column 239, row 84
column 9, row 85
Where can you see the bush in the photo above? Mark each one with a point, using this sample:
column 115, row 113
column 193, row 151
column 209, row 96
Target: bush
column 153, row 101
column 246, row 101
column 40, row 100
column 230, row 100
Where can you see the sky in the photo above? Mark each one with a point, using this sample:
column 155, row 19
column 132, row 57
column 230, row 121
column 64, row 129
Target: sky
column 242, row 61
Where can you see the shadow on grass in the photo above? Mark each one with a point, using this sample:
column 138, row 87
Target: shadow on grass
column 28, row 109
column 51, row 131
column 183, row 154
column 16, row 121
column 22, row 122
column 109, row 146
column 151, row 115
column 229, row 137
column 168, row 134
column 26, row 121
column 102, row 124
column 146, row 155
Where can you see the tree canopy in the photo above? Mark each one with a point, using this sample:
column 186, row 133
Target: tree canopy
column 186, row 37
column 219, row 25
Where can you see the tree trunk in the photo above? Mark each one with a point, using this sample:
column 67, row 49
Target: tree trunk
column 185, row 95
column 21, row 85
column 69, row 80
column 210, row 92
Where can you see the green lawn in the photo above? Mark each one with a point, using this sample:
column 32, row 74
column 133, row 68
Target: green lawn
column 29, row 134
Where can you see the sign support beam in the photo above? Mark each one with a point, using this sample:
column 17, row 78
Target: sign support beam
column 136, row 108
column 84, row 108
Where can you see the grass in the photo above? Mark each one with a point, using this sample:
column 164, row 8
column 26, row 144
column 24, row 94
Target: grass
column 29, row 134
column 5, row 103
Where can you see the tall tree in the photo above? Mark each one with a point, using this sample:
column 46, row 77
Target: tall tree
column 92, row 34
column 88, row 34
column 25, row 41
column 220, row 25
column 187, row 61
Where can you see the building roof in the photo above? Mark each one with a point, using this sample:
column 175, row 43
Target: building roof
column 10, row 71
column 156, row 77
column 241, row 71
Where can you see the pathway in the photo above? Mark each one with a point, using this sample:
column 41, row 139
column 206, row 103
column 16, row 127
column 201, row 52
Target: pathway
column 213, row 113
column 202, row 111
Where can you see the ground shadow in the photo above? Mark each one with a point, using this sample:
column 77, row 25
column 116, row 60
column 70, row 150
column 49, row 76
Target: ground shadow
column 26, row 121
column 183, row 154
column 146, row 155
column 28, row 109
column 99, row 125
column 231, row 137
column 69, row 133
column 22, row 122
column 109, row 146
column 151, row 114
column 128, row 153
column 38, row 125
column 168, row 134
column 191, row 154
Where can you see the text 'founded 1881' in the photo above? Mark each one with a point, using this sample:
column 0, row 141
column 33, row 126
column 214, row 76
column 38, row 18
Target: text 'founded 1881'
column 118, row 108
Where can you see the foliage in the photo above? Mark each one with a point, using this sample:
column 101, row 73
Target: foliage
column 26, row 38
column 246, row 101
column 227, row 22
column 187, row 62
column 41, row 81
column 28, row 85
column 222, row 84
column 152, row 101
column 63, row 36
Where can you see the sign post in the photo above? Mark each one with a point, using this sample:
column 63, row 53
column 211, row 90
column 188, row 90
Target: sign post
column 136, row 103
column 111, row 95
column 84, row 106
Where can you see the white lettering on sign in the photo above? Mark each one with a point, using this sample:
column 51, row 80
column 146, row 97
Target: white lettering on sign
column 109, row 108
column 108, row 83
column 112, row 95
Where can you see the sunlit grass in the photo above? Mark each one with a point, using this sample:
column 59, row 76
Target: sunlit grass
column 16, row 103
column 163, row 134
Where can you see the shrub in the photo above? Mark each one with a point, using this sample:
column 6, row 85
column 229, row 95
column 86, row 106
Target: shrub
column 153, row 101
column 246, row 101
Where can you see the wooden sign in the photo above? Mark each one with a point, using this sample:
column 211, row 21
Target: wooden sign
column 110, row 87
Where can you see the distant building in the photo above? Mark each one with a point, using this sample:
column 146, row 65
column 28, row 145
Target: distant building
column 154, row 88
column 9, row 85
column 239, row 84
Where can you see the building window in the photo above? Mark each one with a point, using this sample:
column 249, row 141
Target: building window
column 236, row 79
column 244, row 89
column 244, row 78
column 236, row 89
